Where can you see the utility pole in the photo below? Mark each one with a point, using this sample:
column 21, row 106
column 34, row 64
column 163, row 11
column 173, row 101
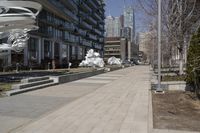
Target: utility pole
column 158, row 89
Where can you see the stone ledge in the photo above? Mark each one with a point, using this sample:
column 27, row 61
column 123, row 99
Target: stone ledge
column 72, row 77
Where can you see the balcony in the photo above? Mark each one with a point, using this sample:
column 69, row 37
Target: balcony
column 60, row 6
column 70, row 4
column 102, row 22
column 87, row 18
column 93, row 37
column 97, row 16
column 100, row 26
column 93, row 5
column 69, row 27
column 86, row 43
column 82, row 32
column 97, row 46
column 85, row 25
column 70, row 14
column 97, row 31
column 90, row 20
column 85, row 7
column 101, row 40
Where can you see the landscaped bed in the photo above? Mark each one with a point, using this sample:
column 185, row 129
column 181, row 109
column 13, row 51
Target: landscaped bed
column 177, row 110
column 6, row 86
column 173, row 78
column 9, row 79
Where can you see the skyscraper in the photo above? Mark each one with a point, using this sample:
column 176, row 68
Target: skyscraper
column 129, row 20
column 112, row 26
column 117, row 27
column 109, row 26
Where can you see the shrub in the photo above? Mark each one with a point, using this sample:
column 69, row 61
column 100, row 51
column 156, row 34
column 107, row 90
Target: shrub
column 193, row 60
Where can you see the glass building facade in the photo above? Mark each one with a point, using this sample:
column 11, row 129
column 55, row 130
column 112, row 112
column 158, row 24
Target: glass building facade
column 112, row 26
column 129, row 20
column 67, row 29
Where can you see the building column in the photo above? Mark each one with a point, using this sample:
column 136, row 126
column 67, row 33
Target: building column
column 123, row 49
column 68, row 52
column 26, row 56
column 39, row 50
column 52, row 48
column 9, row 58
column 60, row 53
column 42, row 48
column 129, row 50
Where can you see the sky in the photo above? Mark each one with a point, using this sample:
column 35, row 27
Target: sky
column 115, row 8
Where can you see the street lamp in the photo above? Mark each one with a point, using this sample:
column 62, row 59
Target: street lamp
column 158, row 89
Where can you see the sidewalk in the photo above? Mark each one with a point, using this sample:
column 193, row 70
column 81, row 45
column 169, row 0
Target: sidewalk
column 120, row 106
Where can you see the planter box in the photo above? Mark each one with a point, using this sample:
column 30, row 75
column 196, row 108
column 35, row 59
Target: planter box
column 72, row 77
column 175, row 85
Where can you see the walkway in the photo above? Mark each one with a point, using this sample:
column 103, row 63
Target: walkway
column 115, row 102
column 120, row 105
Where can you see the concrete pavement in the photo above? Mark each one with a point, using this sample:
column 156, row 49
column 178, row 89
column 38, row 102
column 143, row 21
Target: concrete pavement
column 118, row 105
column 115, row 102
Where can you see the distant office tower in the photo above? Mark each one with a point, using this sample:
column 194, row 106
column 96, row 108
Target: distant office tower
column 117, row 27
column 109, row 26
column 121, row 18
column 126, row 32
column 117, row 47
column 112, row 26
column 129, row 20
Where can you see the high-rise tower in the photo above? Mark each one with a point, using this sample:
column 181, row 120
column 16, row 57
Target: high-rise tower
column 129, row 20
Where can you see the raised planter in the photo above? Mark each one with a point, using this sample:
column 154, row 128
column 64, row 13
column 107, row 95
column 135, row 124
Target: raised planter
column 72, row 77
column 175, row 85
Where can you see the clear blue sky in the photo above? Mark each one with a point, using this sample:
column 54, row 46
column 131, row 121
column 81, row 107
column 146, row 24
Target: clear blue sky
column 115, row 8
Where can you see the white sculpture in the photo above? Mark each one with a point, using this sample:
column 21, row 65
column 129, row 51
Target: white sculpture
column 17, row 18
column 114, row 61
column 92, row 59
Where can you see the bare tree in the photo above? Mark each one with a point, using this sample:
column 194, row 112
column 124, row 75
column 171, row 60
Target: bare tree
column 179, row 19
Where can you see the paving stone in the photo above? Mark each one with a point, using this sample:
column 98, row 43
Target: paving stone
column 117, row 106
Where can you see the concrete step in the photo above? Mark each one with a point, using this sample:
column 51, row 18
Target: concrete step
column 19, row 91
column 34, row 79
column 31, row 84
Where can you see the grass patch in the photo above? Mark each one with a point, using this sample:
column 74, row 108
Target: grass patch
column 6, row 86
column 174, row 78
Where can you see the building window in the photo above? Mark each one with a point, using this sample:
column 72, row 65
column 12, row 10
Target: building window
column 32, row 49
column 47, row 49
column 80, row 53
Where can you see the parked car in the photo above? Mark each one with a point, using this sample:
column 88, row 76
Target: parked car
column 126, row 62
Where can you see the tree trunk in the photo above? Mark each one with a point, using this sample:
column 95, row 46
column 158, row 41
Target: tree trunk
column 181, row 61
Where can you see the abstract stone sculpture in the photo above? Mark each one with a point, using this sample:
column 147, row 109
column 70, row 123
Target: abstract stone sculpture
column 92, row 59
column 17, row 18
column 114, row 61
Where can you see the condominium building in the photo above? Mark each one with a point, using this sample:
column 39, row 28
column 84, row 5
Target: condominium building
column 129, row 20
column 67, row 29
column 117, row 27
column 109, row 30
column 112, row 26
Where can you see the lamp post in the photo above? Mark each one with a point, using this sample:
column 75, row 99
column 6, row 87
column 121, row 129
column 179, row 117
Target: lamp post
column 159, row 46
